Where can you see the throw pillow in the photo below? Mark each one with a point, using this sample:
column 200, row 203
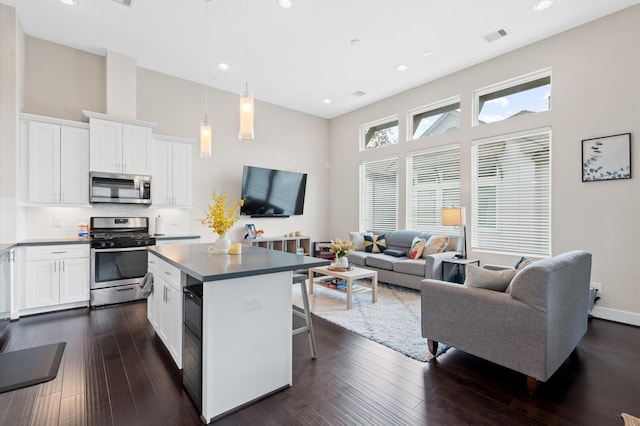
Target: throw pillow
column 375, row 243
column 489, row 279
column 417, row 247
column 524, row 261
column 394, row 253
column 435, row 244
column 357, row 238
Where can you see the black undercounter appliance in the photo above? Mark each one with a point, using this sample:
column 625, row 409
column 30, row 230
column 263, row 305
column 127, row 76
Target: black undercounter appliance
column 192, row 343
column 118, row 258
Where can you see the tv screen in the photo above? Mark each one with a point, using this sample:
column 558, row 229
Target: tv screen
column 272, row 193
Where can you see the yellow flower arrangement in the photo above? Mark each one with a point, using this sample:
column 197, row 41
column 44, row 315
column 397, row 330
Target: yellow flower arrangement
column 219, row 218
column 341, row 248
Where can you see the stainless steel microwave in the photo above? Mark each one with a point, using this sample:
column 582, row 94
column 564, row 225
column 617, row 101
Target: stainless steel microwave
column 119, row 188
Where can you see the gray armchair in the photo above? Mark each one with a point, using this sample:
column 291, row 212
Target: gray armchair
column 532, row 328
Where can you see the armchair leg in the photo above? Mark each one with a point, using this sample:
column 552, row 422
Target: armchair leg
column 433, row 347
column 532, row 384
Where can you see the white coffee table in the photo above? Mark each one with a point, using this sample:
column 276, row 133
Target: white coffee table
column 349, row 276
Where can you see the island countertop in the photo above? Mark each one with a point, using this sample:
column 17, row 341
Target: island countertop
column 194, row 260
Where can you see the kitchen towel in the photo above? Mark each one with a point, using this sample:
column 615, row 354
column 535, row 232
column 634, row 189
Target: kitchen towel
column 147, row 284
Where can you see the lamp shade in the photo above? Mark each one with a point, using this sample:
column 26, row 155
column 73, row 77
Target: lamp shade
column 205, row 139
column 246, row 117
column 452, row 216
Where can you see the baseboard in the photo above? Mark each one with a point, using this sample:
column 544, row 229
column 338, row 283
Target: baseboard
column 624, row 317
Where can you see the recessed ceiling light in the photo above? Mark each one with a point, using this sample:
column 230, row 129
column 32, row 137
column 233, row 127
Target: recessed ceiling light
column 427, row 53
column 354, row 41
column 401, row 67
column 285, row 4
column 69, row 2
column 327, row 101
column 542, row 5
column 222, row 66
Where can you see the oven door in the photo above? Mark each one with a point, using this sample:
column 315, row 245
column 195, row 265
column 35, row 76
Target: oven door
column 117, row 266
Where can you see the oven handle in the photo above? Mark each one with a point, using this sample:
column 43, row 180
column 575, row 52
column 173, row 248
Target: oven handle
column 107, row 250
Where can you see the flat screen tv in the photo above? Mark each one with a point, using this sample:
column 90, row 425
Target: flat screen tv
column 272, row 193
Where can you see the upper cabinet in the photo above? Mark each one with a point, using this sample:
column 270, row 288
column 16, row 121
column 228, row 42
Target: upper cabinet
column 58, row 152
column 171, row 175
column 119, row 145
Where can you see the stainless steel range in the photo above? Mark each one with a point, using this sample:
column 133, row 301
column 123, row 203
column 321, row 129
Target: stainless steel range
column 118, row 258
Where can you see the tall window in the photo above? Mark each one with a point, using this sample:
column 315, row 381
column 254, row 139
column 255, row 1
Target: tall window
column 379, row 194
column 523, row 95
column 435, row 119
column 511, row 194
column 379, row 133
column 433, row 182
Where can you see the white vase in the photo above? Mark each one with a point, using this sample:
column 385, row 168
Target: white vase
column 221, row 245
column 342, row 262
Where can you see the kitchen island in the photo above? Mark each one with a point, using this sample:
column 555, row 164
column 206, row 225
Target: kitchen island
column 246, row 320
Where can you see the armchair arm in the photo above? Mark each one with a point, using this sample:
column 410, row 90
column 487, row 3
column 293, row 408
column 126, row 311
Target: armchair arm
column 433, row 263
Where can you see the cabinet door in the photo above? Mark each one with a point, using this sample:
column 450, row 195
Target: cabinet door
column 161, row 176
column 74, row 280
column 74, row 165
column 44, row 162
column 105, row 146
column 181, row 172
column 161, row 311
column 136, row 149
column 174, row 332
column 42, row 286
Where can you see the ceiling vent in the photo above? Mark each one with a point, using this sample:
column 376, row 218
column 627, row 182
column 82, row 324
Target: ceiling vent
column 358, row 93
column 128, row 3
column 495, row 35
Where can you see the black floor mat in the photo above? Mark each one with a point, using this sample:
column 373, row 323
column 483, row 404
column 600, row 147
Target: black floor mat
column 27, row 367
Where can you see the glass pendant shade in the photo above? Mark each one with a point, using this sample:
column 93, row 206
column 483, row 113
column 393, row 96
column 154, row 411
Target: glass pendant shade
column 205, row 138
column 246, row 116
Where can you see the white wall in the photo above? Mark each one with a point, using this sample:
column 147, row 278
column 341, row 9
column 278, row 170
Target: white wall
column 596, row 92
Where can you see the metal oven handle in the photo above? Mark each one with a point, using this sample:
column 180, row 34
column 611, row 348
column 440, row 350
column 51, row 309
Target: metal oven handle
column 107, row 250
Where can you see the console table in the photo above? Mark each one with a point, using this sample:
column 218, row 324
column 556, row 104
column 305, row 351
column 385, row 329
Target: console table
column 457, row 263
column 287, row 244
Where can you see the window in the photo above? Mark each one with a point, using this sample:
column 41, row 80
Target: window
column 433, row 182
column 379, row 133
column 435, row 119
column 520, row 96
column 379, row 194
column 511, row 194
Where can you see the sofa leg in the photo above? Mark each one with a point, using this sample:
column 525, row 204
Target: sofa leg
column 433, row 347
column 532, row 384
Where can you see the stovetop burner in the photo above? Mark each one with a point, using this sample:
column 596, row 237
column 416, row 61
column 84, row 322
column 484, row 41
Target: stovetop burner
column 120, row 232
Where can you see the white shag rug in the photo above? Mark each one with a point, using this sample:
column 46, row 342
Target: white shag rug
column 394, row 320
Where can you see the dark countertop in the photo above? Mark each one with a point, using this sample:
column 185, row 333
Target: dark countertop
column 164, row 237
column 42, row 242
column 194, row 260
column 6, row 247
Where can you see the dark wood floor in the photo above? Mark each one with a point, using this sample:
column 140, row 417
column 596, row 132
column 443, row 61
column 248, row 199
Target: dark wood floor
column 115, row 372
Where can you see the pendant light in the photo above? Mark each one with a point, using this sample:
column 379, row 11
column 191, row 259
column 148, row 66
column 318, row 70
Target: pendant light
column 205, row 126
column 246, row 115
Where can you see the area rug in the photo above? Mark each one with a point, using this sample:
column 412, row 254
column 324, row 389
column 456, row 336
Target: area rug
column 629, row 420
column 27, row 367
column 394, row 320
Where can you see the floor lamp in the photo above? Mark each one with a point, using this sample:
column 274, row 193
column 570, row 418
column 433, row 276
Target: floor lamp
column 455, row 216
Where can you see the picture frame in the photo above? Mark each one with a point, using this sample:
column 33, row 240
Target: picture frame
column 606, row 158
column 251, row 231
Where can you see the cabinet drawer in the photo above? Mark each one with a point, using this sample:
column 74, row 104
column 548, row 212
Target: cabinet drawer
column 57, row 252
column 170, row 273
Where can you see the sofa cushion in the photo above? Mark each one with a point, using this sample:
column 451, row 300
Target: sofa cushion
column 358, row 257
column 375, row 243
column 381, row 261
column 417, row 247
column 435, row 244
column 401, row 238
column 357, row 238
column 410, row 267
column 524, row 261
column 489, row 279
column 394, row 253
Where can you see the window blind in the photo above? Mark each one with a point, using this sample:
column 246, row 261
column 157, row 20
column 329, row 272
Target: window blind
column 433, row 182
column 511, row 194
column 379, row 195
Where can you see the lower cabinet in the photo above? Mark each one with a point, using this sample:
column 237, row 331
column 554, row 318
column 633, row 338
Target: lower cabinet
column 164, row 306
column 56, row 275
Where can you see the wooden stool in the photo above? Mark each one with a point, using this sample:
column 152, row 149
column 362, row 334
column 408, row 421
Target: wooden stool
column 304, row 313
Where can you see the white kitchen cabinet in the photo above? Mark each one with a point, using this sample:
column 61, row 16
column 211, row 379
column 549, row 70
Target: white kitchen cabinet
column 164, row 307
column 171, row 171
column 56, row 275
column 58, row 163
column 119, row 146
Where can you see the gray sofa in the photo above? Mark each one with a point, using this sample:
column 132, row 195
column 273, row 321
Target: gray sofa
column 405, row 271
column 532, row 327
